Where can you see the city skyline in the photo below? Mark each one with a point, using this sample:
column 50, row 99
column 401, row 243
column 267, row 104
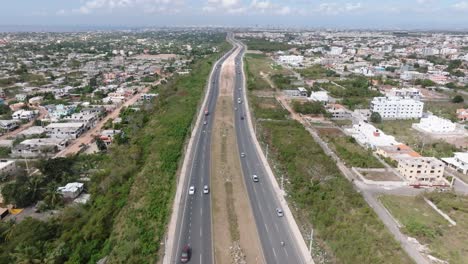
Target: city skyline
column 396, row 14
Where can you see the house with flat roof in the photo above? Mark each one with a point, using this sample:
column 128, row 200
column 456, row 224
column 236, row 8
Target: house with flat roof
column 435, row 125
column 320, row 96
column 71, row 190
column 369, row 136
column 65, row 130
column 396, row 152
column 8, row 125
column 7, row 167
column 458, row 162
column 38, row 147
column 427, row 171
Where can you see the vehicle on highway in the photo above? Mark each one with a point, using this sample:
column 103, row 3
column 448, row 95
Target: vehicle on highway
column 255, row 178
column 279, row 212
column 206, row 189
column 186, row 254
column 204, row 122
column 242, row 117
column 239, row 100
column 207, row 112
column 191, row 190
column 235, row 108
column 242, row 154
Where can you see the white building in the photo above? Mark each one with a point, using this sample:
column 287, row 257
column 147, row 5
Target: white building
column 7, row 167
column 65, row 130
column 71, row 190
column 38, row 147
column 368, row 135
column 320, row 96
column 411, row 75
column 459, row 162
column 23, row 115
column 412, row 93
column 293, row 60
column 397, row 108
column 336, row 50
column 422, row 170
column 435, row 124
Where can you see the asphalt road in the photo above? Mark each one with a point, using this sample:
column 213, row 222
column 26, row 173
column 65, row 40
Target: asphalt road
column 193, row 225
column 272, row 229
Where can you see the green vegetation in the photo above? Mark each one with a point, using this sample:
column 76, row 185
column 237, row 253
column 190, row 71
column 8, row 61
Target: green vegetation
column 258, row 67
column 320, row 194
column 444, row 109
column 317, row 72
column 266, row 45
column 282, row 81
column 376, row 118
column 268, row 108
column 457, row 99
column 307, row 108
column 350, row 151
column 422, row 222
column 325, row 198
column 132, row 187
column 424, row 82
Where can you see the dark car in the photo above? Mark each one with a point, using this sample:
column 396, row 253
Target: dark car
column 242, row 117
column 186, row 253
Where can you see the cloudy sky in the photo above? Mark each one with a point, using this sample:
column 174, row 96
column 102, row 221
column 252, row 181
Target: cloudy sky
column 404, row 14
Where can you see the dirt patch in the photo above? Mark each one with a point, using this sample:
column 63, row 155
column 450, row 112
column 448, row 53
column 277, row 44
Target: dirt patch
column 330, row 132
column 235, row 236
column 381, row 175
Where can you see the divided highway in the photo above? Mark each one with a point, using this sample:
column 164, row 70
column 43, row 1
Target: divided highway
column 193, row 224
column 272, row 228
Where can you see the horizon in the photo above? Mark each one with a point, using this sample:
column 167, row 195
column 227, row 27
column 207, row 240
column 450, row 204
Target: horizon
column 336, row 14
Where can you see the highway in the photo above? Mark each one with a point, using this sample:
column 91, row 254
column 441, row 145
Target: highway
column 193, row 224
column 272, row 229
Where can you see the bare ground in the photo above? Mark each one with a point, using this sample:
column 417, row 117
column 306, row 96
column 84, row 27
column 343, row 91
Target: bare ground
column 235, row 237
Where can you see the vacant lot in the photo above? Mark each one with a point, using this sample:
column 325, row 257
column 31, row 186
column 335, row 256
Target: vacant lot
column 425, row 145
column 348, row 150
column 384, row 175
column 258, row 67
column 268, row 108
column 419, row 220
column 444, row 109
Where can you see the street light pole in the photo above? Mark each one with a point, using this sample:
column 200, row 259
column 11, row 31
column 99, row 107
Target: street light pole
column 311, row 240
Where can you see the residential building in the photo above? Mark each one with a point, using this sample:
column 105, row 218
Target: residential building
column 57, row 112
column 24, row 115
column 422, row 170
column 338, row 112
column 462, row 114
column 397, row 107
column 336, row 50
column 396, row 152
column 7, row 167
column 65, row 130
column 436, row 125
column 412, row 93
column 34, row 131
column 71, row 190
column 20, row 97
column 38, row 147
column 293, row 60
column 320, row 96
column 369, row 136
column 8, row 125
column 108, row 135
column 89, row 118
column 459, row 162
column 148, row 96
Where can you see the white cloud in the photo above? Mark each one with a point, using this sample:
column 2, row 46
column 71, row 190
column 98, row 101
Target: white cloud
column 285, row 10
column 148, row 6
column 335, row 8
column 462, row 6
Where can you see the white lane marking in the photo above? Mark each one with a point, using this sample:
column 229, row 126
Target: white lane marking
column 285, row 251
column 201, row 233
column 201, row 211
column 201, row 258
column 274, row 253
column 266, row 228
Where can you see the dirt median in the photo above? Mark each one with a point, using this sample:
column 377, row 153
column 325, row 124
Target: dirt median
column 235, row 236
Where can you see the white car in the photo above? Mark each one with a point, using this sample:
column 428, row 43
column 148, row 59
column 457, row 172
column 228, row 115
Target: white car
column 242, row 154
column 191, row 190
column 206, row 189
column 279, row 212
column 255, row 178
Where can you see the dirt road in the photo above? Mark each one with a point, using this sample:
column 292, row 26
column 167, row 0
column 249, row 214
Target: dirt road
column 234, row 230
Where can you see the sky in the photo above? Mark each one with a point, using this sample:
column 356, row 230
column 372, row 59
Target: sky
column 365, row 14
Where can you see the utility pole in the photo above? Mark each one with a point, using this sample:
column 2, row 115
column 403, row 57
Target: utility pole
column 266, row 151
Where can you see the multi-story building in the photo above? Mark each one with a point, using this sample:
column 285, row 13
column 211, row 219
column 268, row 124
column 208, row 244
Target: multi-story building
column 459, row 162
column 412, row 93
column 336, row 50
column 397, row 108
column 65, row 130
column 422, row 170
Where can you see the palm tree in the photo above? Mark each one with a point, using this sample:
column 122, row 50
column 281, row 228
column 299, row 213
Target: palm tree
column 52, row 197
column 27, row 255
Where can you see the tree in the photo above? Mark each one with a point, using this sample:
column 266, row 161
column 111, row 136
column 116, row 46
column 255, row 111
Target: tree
column 376, row 118
column 52, row 197
column 27, row 254
column 101, row 144
column 458, row 99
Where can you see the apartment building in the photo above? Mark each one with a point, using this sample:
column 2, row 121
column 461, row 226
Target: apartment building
column 422, row 170
column 394, row 107
column 459, row 162
column 65, row 130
